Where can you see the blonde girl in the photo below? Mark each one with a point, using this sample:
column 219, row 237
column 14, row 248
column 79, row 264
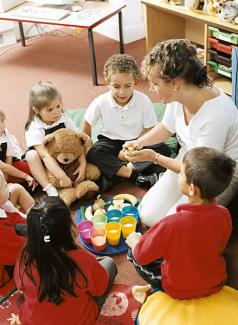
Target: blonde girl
column 46, row 115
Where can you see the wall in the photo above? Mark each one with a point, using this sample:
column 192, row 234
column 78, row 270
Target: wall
column 133, row 23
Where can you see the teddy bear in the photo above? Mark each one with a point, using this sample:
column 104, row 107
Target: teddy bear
column 69, row 149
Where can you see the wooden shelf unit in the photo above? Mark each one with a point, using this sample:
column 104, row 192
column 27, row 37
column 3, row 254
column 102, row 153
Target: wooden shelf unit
column 164, row 21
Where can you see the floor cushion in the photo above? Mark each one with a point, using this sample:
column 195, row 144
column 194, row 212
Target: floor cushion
column 217, row 309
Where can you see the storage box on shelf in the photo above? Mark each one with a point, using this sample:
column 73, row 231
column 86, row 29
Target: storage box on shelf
column 220, row 44
column 165, row 21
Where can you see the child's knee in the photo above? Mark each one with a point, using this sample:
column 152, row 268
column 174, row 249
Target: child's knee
column 31, row 156
column 16, row 188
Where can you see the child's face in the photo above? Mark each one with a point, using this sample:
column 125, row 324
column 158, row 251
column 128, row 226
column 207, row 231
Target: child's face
column 2, row 127
column 182, row 181
column 4, row 192
column 122, row 86
column 51, row 113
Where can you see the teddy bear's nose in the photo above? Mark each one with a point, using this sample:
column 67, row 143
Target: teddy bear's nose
column 66, row 159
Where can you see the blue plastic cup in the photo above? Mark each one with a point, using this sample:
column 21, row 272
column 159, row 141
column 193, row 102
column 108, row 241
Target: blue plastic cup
column 114, row 215
column 130, row 210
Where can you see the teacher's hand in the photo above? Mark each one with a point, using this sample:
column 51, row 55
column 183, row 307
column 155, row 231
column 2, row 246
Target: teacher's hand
column 141, row 155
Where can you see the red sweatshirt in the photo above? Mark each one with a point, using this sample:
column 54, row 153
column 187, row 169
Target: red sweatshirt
column 192, row 242
column 10, row 242
column 80, row 310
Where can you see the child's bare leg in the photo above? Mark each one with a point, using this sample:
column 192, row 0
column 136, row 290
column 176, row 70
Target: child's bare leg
column 37, row 168
column 19, row 196
column 38, row 172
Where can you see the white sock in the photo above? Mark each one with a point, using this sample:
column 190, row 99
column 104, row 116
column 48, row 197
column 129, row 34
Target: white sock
column 50, row 190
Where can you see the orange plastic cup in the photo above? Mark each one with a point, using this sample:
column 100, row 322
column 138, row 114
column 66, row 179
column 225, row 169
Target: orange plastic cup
column 113, row 230
column 98, row 238
column 128, row 225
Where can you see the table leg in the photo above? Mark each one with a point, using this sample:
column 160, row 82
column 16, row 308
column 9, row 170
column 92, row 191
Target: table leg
column 92, row 57
column 21, row 30
column 121, row 33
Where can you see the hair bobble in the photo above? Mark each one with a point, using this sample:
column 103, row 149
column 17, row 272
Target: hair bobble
column 47, row 239
column 45, row 229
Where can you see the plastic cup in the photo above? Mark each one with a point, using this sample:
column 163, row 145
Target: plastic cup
column 131, row 210
column 128, row 225
column 84, row 228
column 113, row 230
column 98, row 238
column 99, row 221
column 114, row 215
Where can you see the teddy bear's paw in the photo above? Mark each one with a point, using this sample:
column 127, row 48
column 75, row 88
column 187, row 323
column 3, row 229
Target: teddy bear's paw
column 84, row 187
column 68, row 195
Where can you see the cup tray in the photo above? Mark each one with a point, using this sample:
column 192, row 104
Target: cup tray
column 109, row 250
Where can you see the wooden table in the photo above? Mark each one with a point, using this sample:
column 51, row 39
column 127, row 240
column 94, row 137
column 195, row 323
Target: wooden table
column 105, row 11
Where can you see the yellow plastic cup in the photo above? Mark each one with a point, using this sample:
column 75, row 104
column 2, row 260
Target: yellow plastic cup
column 128, row 225
column 113, row 230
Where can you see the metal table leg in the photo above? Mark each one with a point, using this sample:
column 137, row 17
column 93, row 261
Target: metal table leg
column 21, row 30
column 92, row 57
column 122, row 50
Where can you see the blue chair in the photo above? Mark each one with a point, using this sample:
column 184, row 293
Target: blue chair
column 235, row 75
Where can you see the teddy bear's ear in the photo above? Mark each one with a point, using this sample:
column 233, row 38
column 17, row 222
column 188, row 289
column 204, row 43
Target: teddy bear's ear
column 85, row 140
column 48, row 138
column 82, row 137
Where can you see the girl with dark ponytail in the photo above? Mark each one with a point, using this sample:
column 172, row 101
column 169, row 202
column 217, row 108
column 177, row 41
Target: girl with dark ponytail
column 61, row 283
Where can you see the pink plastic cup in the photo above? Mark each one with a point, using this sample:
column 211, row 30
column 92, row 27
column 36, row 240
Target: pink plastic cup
column 84, row 228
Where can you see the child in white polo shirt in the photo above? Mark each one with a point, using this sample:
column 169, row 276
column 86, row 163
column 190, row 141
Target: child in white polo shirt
column 124, row 113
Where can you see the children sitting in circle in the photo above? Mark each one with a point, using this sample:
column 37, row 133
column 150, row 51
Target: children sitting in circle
column 124, row 113
column 10, row 164
column 183, row 253
column 61, row 283
column 46, row 115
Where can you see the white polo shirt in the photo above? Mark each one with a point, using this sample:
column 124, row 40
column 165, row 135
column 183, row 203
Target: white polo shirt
column 36, row 131
column 215, row 125
column 6, row 138
column 121, row 123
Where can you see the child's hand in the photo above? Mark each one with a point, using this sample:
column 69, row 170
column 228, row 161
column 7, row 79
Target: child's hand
column 132, row 144
column 81, row 174
column 31, row 182
column 133, row 239
column 65, row 181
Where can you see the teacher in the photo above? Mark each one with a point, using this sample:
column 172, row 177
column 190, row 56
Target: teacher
column 198, row 112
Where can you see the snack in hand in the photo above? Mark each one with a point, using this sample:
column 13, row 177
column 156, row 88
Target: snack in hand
column 129, row 151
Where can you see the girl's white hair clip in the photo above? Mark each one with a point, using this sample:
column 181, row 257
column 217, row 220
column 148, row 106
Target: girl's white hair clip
column 46, row 239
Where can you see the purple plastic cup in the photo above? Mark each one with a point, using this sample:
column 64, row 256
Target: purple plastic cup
column 84, row 228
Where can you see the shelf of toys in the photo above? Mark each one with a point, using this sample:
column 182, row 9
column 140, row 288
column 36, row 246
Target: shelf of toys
column 203, row 27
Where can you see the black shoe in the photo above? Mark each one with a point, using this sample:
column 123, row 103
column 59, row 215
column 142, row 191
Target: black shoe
column 147, row 181
column 105, row 183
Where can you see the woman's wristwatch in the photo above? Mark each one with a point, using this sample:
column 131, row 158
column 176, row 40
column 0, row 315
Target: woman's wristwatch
column 157, row 157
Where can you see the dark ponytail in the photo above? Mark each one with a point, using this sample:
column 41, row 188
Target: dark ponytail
column 49, row 227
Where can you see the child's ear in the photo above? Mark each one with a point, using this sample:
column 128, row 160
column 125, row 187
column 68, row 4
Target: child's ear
column 193, row 190
column 35, row 110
